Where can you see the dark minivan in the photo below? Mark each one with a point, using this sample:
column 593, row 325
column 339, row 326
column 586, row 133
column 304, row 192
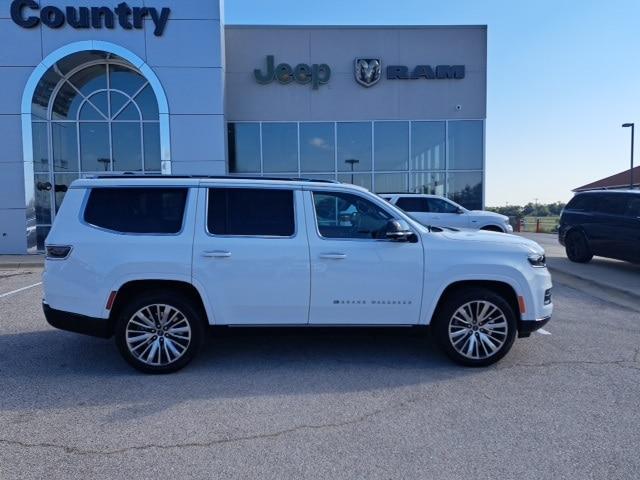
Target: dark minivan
column 604, row 223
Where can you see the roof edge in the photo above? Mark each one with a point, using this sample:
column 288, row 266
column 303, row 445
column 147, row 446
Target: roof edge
column 337, row 26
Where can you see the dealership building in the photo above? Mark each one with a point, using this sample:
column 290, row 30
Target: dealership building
column 164, row 87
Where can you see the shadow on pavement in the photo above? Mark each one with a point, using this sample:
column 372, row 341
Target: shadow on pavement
column 54, row 369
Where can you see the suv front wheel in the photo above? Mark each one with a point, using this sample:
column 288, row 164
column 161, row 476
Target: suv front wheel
column 475, row 327
column 577, row 248
column 159, row 332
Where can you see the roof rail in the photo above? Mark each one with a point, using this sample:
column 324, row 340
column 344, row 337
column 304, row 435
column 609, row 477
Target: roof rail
column 214, row 177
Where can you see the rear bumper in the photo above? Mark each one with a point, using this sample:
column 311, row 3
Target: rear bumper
column 526, row 327
column 73, row 322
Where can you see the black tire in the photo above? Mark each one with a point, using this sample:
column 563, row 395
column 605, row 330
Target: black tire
column 453, row 337
column 577, row 248
column 188, row 322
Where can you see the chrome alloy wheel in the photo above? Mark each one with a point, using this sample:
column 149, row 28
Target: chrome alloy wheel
column 158, row 334
column 478, row 329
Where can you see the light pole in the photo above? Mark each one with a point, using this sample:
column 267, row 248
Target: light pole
column 633, row 127
column 352, row 162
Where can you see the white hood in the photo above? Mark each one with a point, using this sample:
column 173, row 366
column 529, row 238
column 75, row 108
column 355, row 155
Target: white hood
column 485, row 213
column 493, row 238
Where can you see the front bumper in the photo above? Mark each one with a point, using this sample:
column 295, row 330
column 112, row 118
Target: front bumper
column 527, row 327
column 73, row 322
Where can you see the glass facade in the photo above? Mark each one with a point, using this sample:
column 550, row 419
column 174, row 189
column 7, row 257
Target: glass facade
column 87, row 118
column 433, row 157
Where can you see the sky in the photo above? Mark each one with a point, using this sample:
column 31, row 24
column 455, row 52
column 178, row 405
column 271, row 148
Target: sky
column 563, row 75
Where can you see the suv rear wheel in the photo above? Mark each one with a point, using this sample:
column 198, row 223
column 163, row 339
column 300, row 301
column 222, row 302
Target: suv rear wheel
column 577, row 248
column 475, row 327
column 159, row 332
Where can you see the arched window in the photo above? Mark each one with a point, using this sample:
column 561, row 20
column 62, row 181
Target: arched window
column 92, row 112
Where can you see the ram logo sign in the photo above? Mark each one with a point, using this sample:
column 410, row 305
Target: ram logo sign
column 367, row 71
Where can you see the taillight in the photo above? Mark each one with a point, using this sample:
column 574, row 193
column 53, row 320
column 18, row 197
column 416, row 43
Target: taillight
column 58, row 252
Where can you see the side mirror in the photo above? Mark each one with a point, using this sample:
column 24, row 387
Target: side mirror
column 394, row 231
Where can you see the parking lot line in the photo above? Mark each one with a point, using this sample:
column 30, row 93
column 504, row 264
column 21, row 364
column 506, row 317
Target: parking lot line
column 542, row 331
column 19, row 290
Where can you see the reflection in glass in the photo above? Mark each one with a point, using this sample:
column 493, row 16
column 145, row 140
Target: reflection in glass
column 244, row 147
column 465, row 188
column 392, row 183
column 63, row 180
column 430, row 183
column 148, row 103
column 280, row 147
column 66, row 103
column 42, row 94
column 42, row 189
column 126, row 146
column 465, row 145
column 101, row 102
column 152, row 156
column 319, row 176
column 317, row 147
column 428, row 145
column 94, row 147
column 391, row 145
column 65, row 146
column 90, row 79
column 354, row 143
column 130, row 112
column 40, row 148
column 118, row 101
column 41, row 235
column 124, row 79
column 360, row 179
column 88, row 112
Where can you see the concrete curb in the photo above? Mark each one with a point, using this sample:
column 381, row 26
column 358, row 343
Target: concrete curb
column 599, row 290
column 21, row 261
column 593, row 282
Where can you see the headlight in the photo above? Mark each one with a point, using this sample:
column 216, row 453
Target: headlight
column 537, row 260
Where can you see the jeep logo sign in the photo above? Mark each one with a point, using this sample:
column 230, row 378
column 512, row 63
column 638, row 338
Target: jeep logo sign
column 316, row 74
column 28, row 14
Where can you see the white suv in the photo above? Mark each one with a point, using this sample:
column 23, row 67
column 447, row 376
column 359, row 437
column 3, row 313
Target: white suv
column 155, row 260
column 442, row 212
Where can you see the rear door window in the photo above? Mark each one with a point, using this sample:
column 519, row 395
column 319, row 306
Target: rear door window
column 613, row 204
column 441, row 206
column 149, row 210
column 413, row 204
column 251, row 212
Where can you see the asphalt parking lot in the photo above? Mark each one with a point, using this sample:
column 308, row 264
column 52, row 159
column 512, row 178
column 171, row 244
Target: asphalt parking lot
column 315, row 403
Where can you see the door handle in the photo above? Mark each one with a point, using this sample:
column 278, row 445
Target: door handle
column 333, row 256
column 217, row 254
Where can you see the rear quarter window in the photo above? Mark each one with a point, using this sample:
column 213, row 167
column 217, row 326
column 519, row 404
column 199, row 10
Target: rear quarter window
column 137, row 210
column 583, row 203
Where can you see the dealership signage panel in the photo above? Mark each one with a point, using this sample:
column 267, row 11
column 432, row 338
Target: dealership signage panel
column 28, row 14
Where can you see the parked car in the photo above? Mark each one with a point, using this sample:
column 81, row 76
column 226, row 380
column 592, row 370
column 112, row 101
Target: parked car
column 604, row 223
column 153, row 261
column 442, row 212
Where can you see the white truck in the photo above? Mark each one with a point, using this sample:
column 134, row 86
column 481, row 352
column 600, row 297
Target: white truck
column 154, row 261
